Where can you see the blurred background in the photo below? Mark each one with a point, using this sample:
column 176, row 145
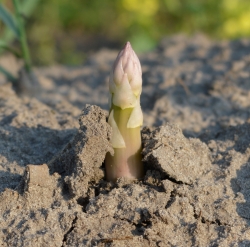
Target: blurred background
column 66, row 31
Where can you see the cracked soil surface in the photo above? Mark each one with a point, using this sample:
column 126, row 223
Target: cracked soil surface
column 196, row 152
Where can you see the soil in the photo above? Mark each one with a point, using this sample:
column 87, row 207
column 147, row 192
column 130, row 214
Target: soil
column 196, row 152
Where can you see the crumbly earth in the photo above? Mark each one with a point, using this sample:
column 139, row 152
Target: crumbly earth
column 196, row 152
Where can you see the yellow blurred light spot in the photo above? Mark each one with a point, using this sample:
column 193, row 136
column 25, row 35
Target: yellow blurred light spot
column 145, row 7
column 230, row 5
column 239, row 26
column 230, row 28
column 244, row 23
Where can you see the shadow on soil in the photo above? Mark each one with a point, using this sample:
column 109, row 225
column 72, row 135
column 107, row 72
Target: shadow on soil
column 241, row 187
column 22, row 146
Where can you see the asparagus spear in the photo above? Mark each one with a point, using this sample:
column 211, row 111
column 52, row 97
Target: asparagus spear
column 125, row 117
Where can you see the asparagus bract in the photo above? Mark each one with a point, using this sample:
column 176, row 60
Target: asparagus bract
column 125, row 116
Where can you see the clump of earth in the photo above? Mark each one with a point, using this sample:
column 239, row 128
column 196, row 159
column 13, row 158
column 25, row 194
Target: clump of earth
column 196, row 152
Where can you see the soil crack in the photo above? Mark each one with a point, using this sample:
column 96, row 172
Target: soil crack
column 111, row 240
column 206, row 221
column 173, row 180
column 73, row 224
column 171, row 199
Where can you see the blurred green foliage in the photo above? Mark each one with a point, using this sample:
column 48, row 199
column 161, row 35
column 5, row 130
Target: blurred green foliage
column 64, row 30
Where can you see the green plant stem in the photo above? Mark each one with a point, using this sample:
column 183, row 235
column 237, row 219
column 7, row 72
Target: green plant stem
column 8, row 75
column 126, row 162
column 23, row 39
column 13, row 51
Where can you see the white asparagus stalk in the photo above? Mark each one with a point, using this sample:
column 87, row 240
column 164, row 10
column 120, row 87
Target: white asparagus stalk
column 125, row 117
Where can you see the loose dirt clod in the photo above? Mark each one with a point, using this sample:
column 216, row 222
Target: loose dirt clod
column 167, row 150
column 81, row 160
column 36, row 175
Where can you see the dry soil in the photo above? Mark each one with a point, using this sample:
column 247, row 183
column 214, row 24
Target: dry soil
column 196, row 152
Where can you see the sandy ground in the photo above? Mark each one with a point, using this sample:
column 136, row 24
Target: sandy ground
column 196, row 152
